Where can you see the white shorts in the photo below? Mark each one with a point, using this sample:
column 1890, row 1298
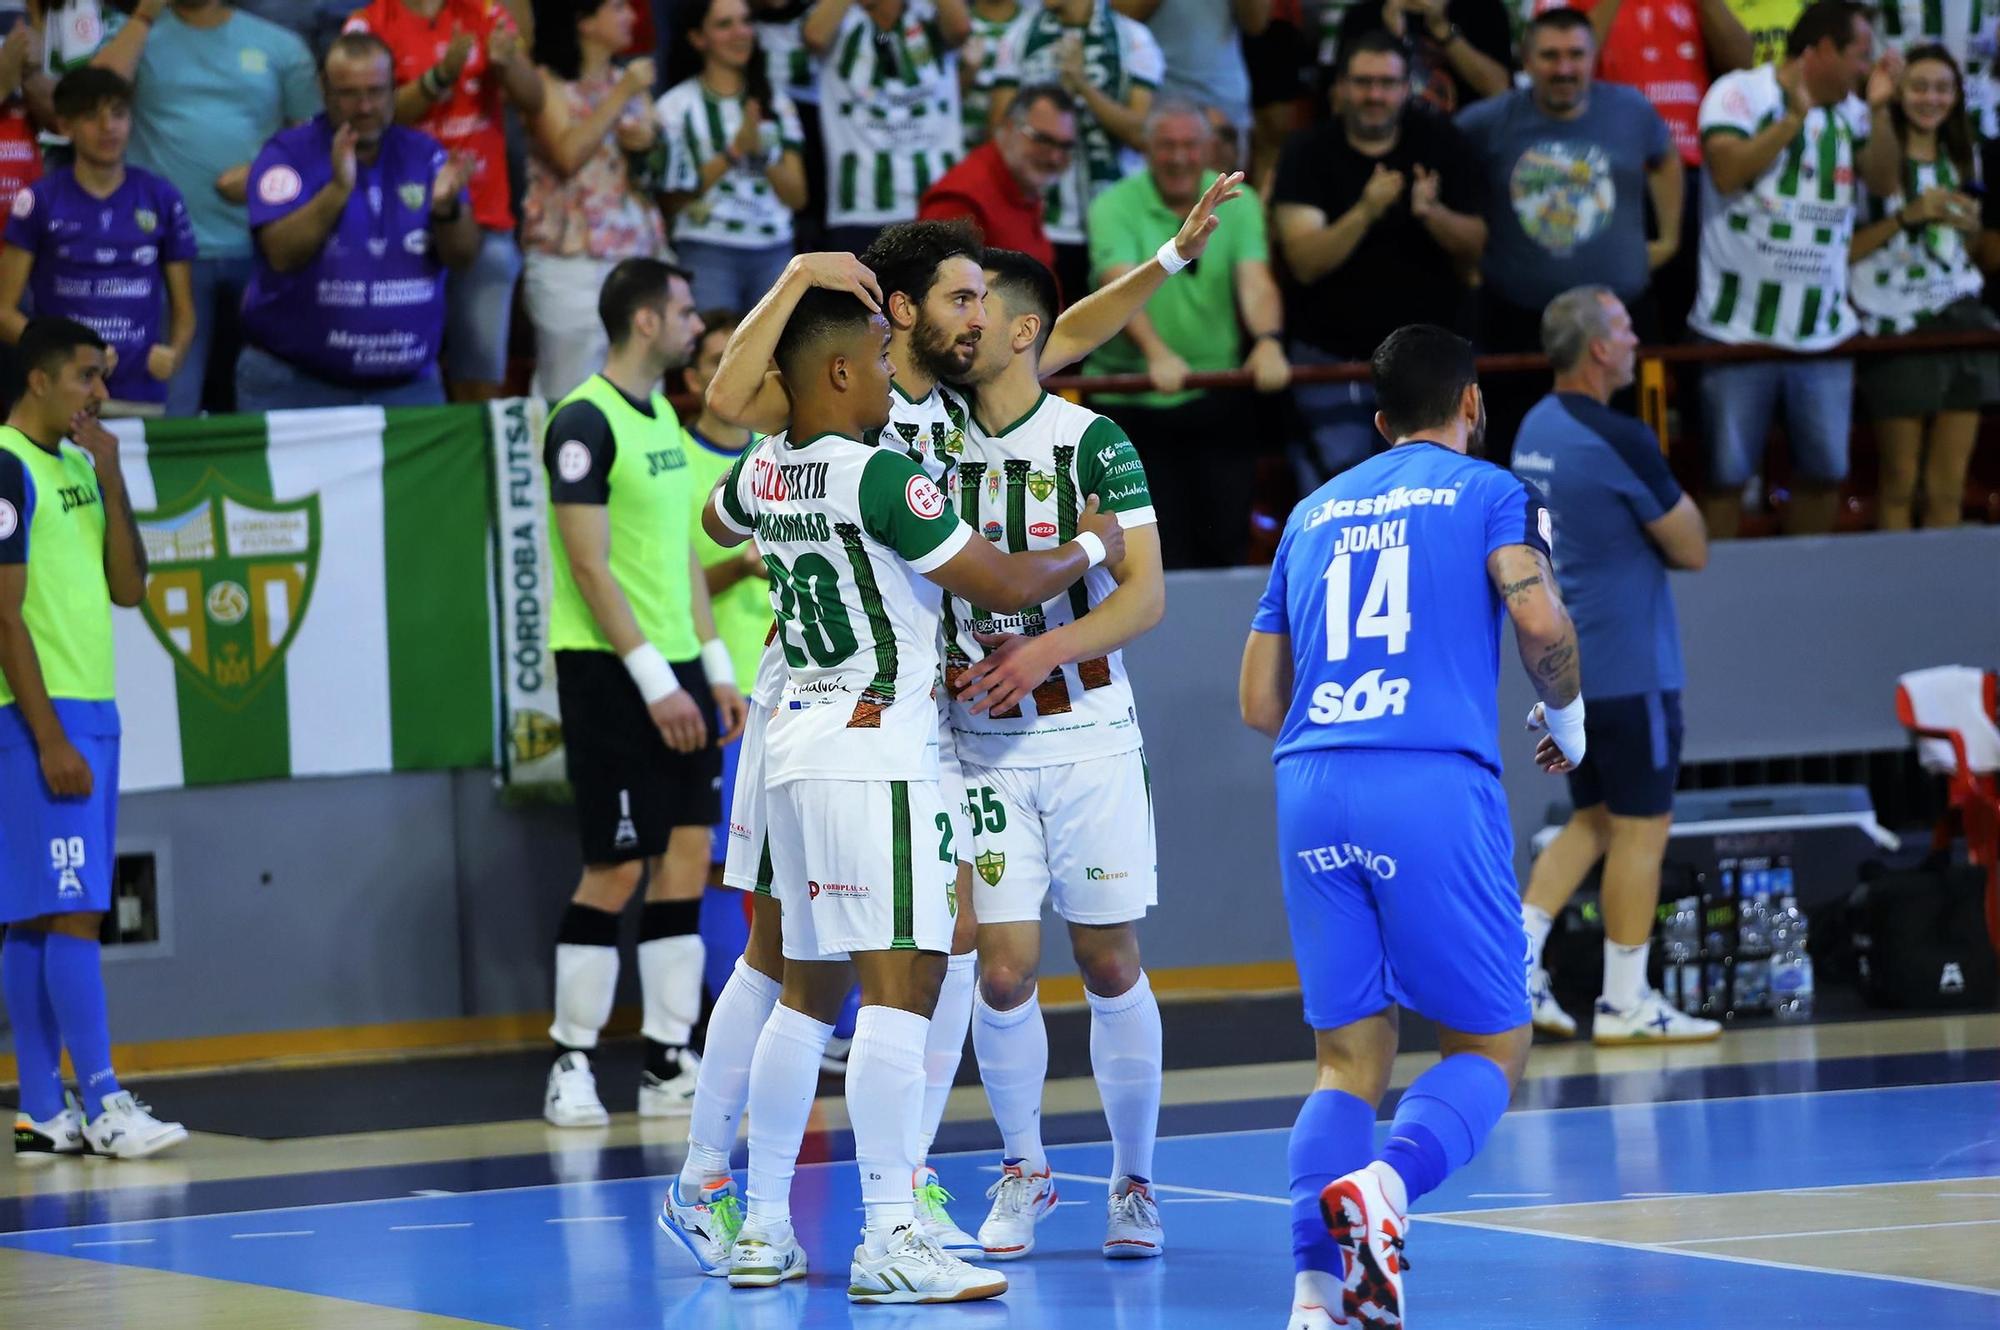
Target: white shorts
column 951, row 788
column 747, row 865
column 862, row 866
column 1081, row 833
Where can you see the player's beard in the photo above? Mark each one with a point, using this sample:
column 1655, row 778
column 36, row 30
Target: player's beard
column 937, row 354
column 1475, row 438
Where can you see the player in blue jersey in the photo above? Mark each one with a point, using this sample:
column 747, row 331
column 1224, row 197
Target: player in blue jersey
column 1374, row 660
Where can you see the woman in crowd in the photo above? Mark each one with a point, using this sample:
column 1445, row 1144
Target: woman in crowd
column 735, row 169
column 583, row 212
column 1914, row 273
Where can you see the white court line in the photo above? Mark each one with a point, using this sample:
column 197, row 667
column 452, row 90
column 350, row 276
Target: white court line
column 1659, row 1195
column 585, row 1219
column 984, row 1152
column 114, row 1242
column 424, row 1228
column 1831, row 1189
column 1833, row 1232
column 432, row 1191
column 1706, row 1255
column 284, row 1233
column 1207, row 1193
column 1510, row 1195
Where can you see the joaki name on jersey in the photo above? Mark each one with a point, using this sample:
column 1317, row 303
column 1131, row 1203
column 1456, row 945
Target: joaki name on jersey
column 1023, row 487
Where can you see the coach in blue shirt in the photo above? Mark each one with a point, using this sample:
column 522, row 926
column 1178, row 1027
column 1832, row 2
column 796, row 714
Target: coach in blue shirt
column 1621, row 521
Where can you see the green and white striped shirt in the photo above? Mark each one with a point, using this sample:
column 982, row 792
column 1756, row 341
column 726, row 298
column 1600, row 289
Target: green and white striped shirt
column 1119, row 55
column 1774, row 254
column 1963, row 27
column 790, row 64
column 741, row 209
column 985, row 46
column 889, row 109
column 1914, row 274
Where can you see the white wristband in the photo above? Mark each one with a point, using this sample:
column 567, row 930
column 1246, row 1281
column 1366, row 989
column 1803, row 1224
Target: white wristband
column 1566, row 727
column 649, row 669
column 1170, row 258
column 717, row 663
column 1093, row 547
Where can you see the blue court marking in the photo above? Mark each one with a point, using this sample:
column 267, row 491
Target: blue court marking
column 586, row 1252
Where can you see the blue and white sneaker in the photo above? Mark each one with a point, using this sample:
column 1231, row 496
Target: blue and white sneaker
column 1546, row 1013
column 707, row 1226
column 1650, row 1020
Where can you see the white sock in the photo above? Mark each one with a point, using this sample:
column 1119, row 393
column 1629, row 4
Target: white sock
column 945, row 1046
column 1393, row 1187
column 586, row 981
column 1316, row 1288
column 670, row 987
column 1625, row 973
column 1013, row 1051
column 784, row 1073
column 1125, row 1059
column 1537, row 922
column 885, row 1100
column 723, row 1084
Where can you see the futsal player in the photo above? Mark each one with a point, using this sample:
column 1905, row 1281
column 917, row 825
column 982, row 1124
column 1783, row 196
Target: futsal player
column 647, row 691
column 857, row 538
column 1373, row 661
column 69, row 551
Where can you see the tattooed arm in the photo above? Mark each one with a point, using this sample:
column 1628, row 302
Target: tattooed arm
column 1547, row 640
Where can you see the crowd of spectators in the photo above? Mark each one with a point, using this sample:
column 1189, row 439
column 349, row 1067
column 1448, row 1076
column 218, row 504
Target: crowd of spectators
column 285, row 203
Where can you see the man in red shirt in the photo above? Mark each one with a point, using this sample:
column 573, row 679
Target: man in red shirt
column 1001, row 183
column 455, row 59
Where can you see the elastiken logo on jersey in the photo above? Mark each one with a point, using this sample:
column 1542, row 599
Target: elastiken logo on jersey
column 230, row 578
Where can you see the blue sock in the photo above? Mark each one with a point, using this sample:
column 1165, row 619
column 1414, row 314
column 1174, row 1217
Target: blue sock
column 37, row 1045
column 76, row 991
column 725, row 931
column 1443, row 1120
column 850, row 1011
column 1333, row 1136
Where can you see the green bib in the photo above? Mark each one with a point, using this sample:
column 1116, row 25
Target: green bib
column 68, row 608
column 649, row 511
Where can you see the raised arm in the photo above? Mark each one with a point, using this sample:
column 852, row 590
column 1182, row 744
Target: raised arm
column 746, row 391
column 121, row 54
column 568, row 143
column 1547, row 640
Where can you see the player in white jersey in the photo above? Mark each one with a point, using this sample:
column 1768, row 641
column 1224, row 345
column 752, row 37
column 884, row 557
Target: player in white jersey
column 860, row 839
column 1056, row 770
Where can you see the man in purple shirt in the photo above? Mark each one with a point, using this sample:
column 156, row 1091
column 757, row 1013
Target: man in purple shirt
column 105, row 244
column 356, row 219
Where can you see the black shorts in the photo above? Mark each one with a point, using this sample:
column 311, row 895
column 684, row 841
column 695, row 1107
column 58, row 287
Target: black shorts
column 1632, row 754
column 631, row 789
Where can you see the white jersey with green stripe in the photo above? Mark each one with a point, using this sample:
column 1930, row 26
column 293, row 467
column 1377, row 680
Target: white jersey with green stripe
column 1022, row 488
column 1917, row 273
column 848, row 532
column 1774, row 254
column 740, row 209
column 1962, row 27
column 889, row 111
column 1119, row 54
column 983, row 48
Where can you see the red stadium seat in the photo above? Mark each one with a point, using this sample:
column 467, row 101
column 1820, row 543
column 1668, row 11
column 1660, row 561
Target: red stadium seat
column 1954, row 713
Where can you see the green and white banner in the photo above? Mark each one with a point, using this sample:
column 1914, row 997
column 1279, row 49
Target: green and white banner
column 531, row 751
column 320, row 599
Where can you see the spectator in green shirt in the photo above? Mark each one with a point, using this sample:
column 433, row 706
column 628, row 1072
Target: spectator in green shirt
column 1192, row 440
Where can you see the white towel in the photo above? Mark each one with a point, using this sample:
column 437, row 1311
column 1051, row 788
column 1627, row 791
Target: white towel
column 1949, row 697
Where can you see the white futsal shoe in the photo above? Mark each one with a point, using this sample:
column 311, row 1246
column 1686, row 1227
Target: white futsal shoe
column 674, row 1097
column 1361, row 1218
column 936, row 1221
column 572, row 1095
column 1650, row 1020
column 706, row 1225
column 765, row 1256
column 1547, row 1015
column 913, row 1268
column 1132, row 1226
column 39, row 1142
column 127, row 1130
column 1316, row 1298
column 1020, row 1200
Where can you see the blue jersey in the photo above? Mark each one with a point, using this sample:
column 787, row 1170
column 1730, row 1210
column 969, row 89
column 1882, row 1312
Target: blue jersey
column 1381, row 583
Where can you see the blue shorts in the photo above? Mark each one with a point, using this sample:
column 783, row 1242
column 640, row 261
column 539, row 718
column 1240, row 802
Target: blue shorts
column 718, row 836
column 1632, row 754
column 56, row 854
column 1399, row 882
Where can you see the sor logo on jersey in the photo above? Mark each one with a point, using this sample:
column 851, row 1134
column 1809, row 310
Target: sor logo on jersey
column 925, row 499
column 1370, row 697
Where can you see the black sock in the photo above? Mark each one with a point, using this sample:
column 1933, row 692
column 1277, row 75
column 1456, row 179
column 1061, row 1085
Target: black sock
column 664, row 1060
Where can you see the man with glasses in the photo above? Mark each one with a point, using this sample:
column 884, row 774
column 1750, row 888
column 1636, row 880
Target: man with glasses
column 356, row 219
column 1001, row 184
column 1379, row 214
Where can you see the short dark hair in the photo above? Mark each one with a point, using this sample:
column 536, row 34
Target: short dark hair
column 1027, row 286
column 1420, row 372
column 905, row 256
column 1561, row 19
column 1820, row 20
column 821, row 316
column 1031, row 93
column 633, row 285
column 359, row 45
column 556, row 42
column 48, row 343
column 1375, row 41
column 82, row 92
